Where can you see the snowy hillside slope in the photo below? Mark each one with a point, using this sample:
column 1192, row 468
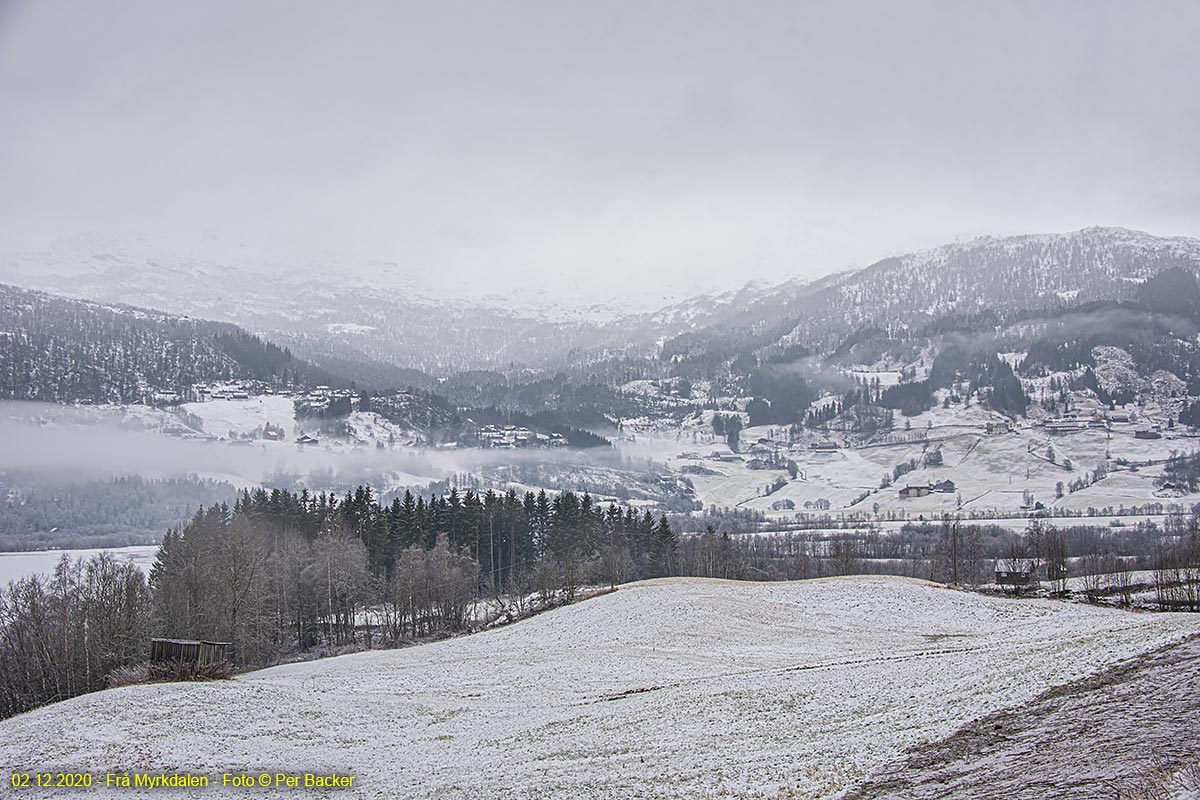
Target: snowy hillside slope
column 673, row 688
column 1000, row 274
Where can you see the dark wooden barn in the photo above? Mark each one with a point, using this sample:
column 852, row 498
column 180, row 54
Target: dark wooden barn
column 188, row 651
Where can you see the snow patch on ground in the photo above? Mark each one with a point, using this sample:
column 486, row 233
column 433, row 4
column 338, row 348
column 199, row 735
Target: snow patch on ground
column 352, row 328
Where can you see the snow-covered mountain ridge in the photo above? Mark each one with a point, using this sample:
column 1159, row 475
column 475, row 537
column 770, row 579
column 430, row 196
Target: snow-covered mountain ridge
column 989, row 274
column 338, row 312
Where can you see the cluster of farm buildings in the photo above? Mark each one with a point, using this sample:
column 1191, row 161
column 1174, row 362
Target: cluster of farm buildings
column 509, row 437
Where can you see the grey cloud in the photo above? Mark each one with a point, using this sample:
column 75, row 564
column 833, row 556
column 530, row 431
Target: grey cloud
column 657, row 144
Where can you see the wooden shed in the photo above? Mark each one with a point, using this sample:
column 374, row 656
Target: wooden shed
column 1014, row 577
column 189, row 651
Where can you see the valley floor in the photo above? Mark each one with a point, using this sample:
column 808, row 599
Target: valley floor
column 671, row 688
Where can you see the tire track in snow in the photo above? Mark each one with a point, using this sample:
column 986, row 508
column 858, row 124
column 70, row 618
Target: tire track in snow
column 722, row 676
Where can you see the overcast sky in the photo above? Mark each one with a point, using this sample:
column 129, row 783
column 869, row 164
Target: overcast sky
column 667, row 143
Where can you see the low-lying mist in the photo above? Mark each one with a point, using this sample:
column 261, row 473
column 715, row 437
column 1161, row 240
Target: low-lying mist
column 66, row 444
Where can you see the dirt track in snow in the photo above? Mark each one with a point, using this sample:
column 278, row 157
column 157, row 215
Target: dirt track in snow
column 1082, row 741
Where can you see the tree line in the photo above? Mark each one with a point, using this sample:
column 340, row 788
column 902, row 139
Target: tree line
column 282, row 572
column 950, row 550
column 64, row 635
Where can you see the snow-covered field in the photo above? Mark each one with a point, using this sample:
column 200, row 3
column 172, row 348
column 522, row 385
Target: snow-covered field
column 676, row 688
column 991, row 472
column 222, row 417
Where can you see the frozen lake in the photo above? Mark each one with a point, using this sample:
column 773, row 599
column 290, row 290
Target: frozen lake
column 18, row 565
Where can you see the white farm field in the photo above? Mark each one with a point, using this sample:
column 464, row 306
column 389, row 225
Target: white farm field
column 991, row 473
column 220, row 417
column 673, row 688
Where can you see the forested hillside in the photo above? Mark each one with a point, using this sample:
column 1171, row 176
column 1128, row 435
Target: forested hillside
column 57, row 349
